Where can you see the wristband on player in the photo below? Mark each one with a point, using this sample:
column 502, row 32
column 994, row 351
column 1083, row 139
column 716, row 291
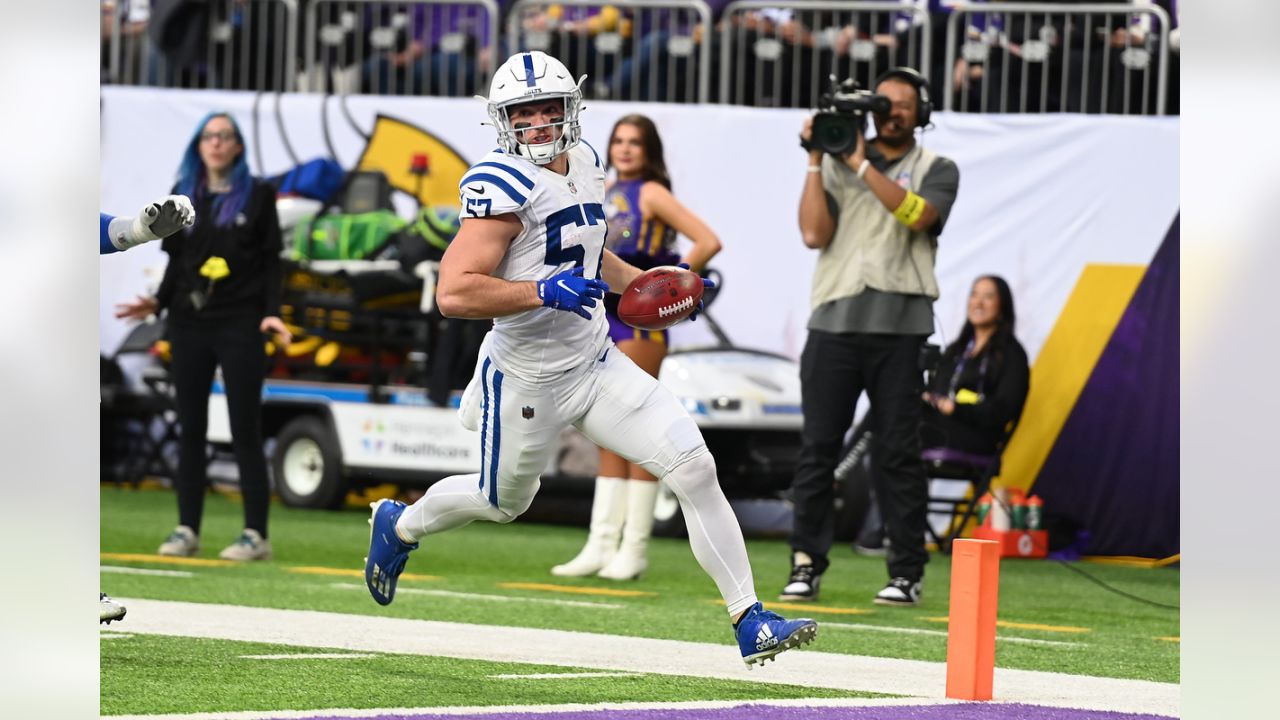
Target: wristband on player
column 910, row 210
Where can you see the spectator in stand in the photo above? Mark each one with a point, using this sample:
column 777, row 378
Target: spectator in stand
column 594, row 39
column 429, row 50
column 221, row 291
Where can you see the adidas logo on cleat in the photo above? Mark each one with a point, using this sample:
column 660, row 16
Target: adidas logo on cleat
column 765, row 639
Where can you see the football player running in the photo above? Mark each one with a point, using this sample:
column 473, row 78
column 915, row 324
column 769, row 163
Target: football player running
column 157, row 220
column 531, row 256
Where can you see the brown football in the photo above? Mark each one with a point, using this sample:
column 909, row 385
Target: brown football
column 660, row 297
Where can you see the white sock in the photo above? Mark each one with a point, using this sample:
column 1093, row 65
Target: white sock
column 714, row 534
column 451, row 503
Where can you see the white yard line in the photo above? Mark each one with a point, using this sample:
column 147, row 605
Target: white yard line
column 562, row 676
column 942, row 633
column 113, row 635
column 527, row 709
column 120, row 569
column 311, row 656
column 809, row 668
column 494, row 598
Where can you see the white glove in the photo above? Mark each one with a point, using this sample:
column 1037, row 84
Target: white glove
column 157, row 220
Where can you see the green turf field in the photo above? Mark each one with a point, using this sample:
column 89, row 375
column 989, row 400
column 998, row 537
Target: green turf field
column 171, row 675
column 1089, row 630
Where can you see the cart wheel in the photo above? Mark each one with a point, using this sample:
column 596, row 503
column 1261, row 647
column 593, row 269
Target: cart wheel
column 668, row 521
column 308, row 471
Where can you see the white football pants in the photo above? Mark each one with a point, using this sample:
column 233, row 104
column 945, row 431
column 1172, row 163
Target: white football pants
column 617, row 406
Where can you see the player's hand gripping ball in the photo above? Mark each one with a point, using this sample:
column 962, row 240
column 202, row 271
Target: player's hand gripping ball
column 660, row 297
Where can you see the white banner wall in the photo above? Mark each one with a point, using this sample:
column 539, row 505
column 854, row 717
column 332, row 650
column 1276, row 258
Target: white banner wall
column 1040, row 196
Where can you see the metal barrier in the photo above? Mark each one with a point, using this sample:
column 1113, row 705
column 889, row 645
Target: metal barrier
column 649, row 50
column 233, row 45
column 990, row 57
column 1049, row 57
column 782, row 53
column 428, row 47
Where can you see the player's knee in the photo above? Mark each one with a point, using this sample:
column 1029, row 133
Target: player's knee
column 693, row 472
column 513, row 505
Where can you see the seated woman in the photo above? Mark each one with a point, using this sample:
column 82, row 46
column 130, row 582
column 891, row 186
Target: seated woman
column 978, row 389
column 982, row 381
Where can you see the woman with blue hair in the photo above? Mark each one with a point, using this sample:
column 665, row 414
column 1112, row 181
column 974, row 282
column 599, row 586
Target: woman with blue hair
column 221, row 291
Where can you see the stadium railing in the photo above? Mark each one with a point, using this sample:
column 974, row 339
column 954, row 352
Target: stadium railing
column 227, row 44
column 782, row 53
column 427, row 47
column 646, row 50
column 1051, row 57
column 979, row 56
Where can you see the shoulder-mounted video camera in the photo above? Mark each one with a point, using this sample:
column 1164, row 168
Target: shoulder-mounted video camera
column 842, row 117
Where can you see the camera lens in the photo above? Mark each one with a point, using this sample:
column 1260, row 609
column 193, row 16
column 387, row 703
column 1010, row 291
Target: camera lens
column 833, row 133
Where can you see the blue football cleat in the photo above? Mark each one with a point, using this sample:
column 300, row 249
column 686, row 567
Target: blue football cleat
column 763, row 634
column 387, row 552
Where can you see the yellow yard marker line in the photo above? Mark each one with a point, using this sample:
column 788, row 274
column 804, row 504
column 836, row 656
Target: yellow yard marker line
column 576, row 590
column 808, row 608
column 211, row 562
column 1173, row 639
column 1038, row 626
column 1023, row 626
column 1137, row 562
column 165, row 559
column 351, row 572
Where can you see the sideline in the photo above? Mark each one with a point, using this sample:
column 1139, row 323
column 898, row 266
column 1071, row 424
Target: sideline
column 913, row 678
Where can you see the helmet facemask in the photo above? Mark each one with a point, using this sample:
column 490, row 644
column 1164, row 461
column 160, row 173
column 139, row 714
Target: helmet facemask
column 534, row 77
column 510, row 136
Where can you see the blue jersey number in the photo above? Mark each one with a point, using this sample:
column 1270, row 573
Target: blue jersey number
column 478, row 207
column 572, row 215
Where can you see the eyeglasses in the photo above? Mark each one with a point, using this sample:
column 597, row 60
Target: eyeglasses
column 225, row 136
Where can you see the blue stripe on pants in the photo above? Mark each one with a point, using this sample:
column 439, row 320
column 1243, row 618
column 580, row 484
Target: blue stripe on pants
column 497, row 436
column 484, row 420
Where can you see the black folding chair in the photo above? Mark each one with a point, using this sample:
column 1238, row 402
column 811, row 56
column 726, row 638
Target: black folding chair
column 943, row 463
column 149, row 418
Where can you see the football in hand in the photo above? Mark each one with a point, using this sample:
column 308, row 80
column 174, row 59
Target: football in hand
column 660, row 297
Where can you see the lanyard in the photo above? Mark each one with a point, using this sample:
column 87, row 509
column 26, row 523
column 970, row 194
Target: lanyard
column 964, row 357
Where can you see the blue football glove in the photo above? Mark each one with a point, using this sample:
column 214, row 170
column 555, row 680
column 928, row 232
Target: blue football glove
column 571, row 292
column 707, row 284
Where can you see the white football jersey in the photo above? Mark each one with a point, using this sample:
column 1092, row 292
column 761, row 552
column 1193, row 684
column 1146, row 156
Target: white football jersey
column 564, row 227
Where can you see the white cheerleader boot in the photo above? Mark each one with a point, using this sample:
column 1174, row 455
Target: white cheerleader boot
column 632, row 558
column 608, row 507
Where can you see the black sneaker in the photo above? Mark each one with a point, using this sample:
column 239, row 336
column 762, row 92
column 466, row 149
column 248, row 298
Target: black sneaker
column 901, row 592
column 805, row 578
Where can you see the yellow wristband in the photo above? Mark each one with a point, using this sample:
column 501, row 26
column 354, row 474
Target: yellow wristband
column 911, row 209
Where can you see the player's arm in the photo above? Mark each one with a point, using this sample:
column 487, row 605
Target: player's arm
column 618, row 273
column 467, row 288
column 157, row 220
column 659, row 202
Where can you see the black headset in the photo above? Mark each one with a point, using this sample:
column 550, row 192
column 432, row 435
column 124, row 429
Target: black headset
column 911, row 76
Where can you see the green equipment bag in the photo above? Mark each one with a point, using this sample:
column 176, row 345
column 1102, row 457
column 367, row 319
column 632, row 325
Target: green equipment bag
column 350, row 236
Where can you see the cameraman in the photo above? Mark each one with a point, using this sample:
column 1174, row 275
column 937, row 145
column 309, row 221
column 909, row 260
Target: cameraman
column 875, row 214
